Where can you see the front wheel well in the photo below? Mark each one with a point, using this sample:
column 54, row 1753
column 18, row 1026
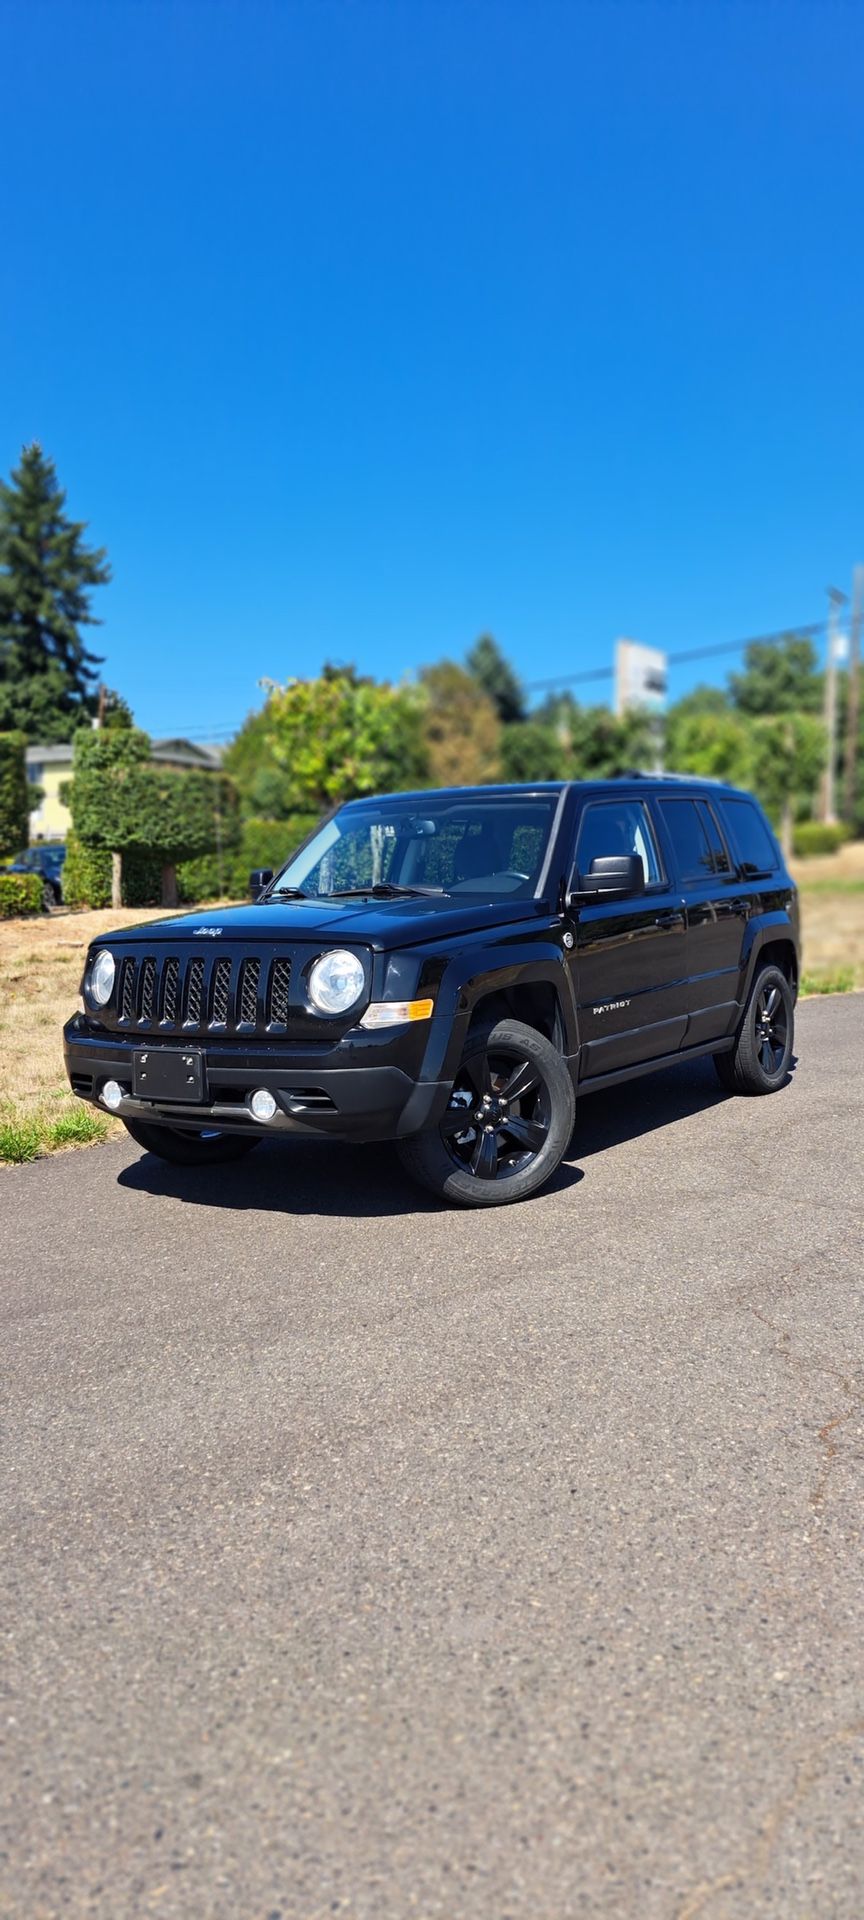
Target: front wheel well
column 534, row 1002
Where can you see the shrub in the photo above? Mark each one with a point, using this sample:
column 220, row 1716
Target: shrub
column 20, row 893
column 815, row 836
column 15, row 798
column 264, row 843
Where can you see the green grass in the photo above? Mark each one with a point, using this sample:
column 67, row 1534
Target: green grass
column 25, row 1134
column 20, row 1139
column 77, row 1128
column 842, row 980
column 829, row 886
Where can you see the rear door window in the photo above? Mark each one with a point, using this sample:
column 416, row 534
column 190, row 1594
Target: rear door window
column 715, row 839
column 752, row 843
column 687, row 827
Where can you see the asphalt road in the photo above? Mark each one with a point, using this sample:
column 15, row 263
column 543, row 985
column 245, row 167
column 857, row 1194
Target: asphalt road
column 363, row 1558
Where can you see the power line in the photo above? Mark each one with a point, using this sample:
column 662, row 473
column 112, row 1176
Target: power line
column 807, row 632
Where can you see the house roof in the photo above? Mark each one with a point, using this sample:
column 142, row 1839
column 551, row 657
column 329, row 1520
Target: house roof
column 178, row 753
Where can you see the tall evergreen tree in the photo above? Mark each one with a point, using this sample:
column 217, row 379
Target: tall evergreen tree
column 492, row 671
column 47, row 675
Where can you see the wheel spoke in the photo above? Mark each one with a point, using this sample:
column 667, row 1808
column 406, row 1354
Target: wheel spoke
column 455, row 1120
column 477, row 1069
column 766, row 1055
column 522, row 1080
column 772, row 1002
column 527, row 1132
column 484, row 1159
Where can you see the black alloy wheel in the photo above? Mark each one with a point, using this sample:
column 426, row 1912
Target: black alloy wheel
column 759, row 1061
column 499, row 1114
column 772, row 1029
column 507, row 1124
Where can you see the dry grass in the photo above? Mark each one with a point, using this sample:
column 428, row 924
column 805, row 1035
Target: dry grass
column 832, row 917
column 40, row 972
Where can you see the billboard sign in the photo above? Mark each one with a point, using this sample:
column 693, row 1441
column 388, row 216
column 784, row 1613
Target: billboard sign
column 641, row 676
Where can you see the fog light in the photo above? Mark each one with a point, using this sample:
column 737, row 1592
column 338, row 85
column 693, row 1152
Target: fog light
column 112, row 1094
column 262, row 1104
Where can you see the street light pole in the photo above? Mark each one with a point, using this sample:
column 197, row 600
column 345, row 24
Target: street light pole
column 836, row 600
column 854, row 697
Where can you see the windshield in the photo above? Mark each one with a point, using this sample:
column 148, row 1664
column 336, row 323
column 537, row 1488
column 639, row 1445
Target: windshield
column 436, row 845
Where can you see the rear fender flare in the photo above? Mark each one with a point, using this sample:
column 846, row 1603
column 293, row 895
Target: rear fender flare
column 763, row 930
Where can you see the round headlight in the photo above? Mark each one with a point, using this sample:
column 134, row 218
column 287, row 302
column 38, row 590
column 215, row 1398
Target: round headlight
column 336, row 981
column 101, row 982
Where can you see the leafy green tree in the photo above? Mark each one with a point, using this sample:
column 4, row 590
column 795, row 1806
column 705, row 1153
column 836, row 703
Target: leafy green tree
column 340, row 736
column 16, row 797
column 717, row 745
column 778, row 677
column 266, row 789
column 492, row 671
column 788, row 758
column 47, row 675
column 461, row 727
column 533, row 750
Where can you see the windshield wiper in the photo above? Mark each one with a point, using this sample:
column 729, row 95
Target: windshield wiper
column 379, row 890
column 286, row 893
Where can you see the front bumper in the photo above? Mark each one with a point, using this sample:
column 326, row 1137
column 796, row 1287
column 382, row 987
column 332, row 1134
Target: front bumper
column 345, row 1101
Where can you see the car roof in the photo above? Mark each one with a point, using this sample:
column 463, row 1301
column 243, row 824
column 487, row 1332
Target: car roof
column 671, row 783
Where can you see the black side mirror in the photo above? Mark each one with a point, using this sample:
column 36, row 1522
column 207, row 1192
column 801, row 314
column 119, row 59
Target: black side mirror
column 614, row 876
column 259, row 878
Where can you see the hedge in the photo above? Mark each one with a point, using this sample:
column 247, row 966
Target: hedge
column 20, row 893
column 87, row 876
column 815, row 836
column 15, row 797
column 265, row 843
column 121, row 800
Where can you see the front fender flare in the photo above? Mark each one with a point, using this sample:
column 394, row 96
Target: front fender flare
column 479, row 972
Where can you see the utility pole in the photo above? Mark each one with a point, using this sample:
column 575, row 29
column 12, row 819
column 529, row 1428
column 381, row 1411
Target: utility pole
column 836, row 600
column 854, row 698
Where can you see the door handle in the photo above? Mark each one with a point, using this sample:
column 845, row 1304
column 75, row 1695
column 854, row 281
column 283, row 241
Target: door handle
column 669, row 920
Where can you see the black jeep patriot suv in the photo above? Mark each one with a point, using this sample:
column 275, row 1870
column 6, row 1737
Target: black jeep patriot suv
column 449, row 970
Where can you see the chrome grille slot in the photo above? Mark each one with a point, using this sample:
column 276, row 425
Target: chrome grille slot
column 148, row 988
column 168, row 995
column 219, row 990
column 193, row 995
column 126, row 991
column 277, row 1000
column 248, row 997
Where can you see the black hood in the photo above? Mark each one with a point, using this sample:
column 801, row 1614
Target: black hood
column 381, row 924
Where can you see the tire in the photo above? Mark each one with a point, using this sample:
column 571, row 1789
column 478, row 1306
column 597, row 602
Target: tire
column 507, row 1157
column 49, row 897
column 181, row 1149
column 759, row 1060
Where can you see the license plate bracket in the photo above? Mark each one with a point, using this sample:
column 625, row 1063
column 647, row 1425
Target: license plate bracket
column 168, row 1073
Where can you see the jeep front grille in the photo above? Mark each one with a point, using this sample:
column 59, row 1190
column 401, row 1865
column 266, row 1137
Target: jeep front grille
column 189, row 993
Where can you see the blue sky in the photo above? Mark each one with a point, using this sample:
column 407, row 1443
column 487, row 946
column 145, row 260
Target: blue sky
column 358, row 329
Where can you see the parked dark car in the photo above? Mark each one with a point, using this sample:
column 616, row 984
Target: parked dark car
column 450, row 970
column 46, row 860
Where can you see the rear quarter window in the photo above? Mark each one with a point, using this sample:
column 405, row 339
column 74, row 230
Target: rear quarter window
column 752, row 841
